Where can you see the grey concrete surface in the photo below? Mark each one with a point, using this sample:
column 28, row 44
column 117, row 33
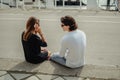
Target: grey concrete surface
column 102, row 54
column 16, row 66
column 101, row 28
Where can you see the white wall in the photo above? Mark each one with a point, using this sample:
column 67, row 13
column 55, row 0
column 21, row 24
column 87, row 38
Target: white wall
column 92, row 4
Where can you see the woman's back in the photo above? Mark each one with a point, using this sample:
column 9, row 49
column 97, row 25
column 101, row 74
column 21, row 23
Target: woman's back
column 32, row 48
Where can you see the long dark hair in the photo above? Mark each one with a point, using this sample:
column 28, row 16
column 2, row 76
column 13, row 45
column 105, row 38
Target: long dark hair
column 69, row 21
column 29, row 27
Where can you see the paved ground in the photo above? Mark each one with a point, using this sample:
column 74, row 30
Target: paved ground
column 101, row 27
column 48, row 70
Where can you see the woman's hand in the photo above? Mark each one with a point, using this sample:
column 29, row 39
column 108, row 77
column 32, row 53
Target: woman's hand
column 37, row 28
column 45, row 50
column 40, row 31
column 49, row 54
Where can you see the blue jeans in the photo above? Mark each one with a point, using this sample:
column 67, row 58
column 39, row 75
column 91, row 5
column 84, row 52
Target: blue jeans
column 58, row 59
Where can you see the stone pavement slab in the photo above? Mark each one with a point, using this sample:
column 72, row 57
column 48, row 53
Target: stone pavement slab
column 6, row 77
column 51, row 68
column 47, row 77
column 32, row 78
column 3, row 73
column 73, row 78
column 20, row 76
column 59, row 78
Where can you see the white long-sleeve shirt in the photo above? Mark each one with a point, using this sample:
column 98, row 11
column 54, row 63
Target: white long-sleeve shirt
column 73, row 47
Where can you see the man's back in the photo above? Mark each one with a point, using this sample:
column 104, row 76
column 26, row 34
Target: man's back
column 75, row 42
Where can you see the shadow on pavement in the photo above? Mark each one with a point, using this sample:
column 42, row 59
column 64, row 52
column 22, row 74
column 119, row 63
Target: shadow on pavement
column 25, row 67
column 65, row 71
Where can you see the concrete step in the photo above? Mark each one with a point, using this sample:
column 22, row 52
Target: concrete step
column 48, row 67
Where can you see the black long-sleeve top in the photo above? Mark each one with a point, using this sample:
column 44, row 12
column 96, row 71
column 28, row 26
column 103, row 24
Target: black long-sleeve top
column 32, row 49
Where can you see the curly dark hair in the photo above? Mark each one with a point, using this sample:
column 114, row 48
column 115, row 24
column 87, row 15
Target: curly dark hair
column 69, row 21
